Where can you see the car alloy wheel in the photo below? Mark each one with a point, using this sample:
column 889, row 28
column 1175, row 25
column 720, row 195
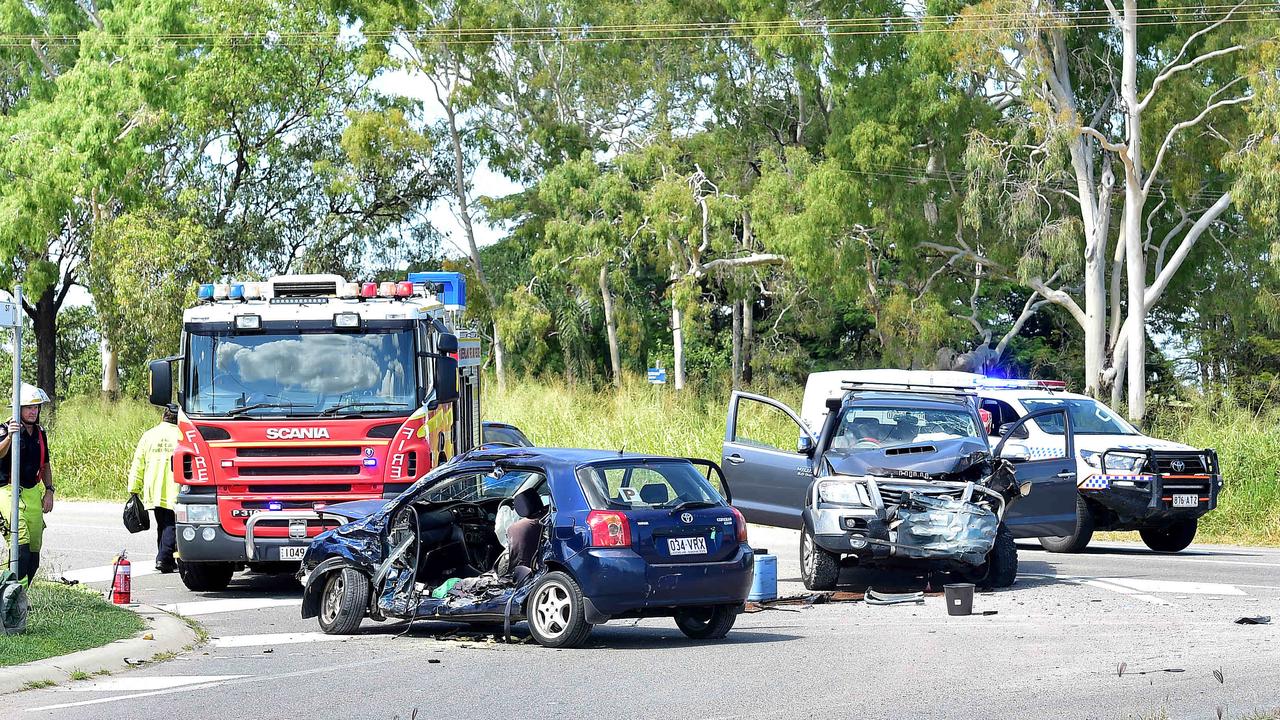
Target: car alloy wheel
column 332, row 603
column 552, row 610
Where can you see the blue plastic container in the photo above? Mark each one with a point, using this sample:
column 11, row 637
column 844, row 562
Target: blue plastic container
column 764, row 585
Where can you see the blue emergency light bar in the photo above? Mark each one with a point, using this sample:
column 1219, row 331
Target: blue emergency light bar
column 998, row 384
column 453, row 286
column 205, row 292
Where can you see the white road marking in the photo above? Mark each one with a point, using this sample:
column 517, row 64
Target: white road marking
column 237, row 641
column 1180, row 559
column 141, row 684
column 217, row 683
column 1178, row 587
column 103, row 573
column 1128, row 592
column 211, row 607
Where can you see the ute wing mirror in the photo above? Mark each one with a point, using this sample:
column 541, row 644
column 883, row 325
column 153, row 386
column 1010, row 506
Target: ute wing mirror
column 805, row 445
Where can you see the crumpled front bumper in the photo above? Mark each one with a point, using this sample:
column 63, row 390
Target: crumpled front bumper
column 942, row 525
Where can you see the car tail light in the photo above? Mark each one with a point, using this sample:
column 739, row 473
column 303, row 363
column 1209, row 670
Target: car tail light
column 609, row 529
column 740, row 523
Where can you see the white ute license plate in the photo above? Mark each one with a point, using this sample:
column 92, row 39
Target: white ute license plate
column 1186, row 501
column 687, row 546
column 292, row 552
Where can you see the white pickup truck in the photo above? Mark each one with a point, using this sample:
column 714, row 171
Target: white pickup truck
column 1125, row 480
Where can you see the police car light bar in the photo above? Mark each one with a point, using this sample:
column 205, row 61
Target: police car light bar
column 999, row 384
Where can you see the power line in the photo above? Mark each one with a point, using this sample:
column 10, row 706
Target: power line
column 667, row 32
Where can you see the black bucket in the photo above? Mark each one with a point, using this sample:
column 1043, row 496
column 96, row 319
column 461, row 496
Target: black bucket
column 959, row 598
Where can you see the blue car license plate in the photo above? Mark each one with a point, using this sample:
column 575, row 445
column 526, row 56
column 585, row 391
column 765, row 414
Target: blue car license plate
column 687, row 546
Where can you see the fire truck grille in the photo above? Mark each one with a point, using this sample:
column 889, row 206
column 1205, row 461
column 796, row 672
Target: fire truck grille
column 311, row 488
column 291, row 451
column 300, row 470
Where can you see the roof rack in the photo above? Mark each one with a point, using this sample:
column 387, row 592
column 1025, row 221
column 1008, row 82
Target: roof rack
column 961, row 391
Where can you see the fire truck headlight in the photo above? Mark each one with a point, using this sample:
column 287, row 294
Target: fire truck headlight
column 346, row 321
column 248, row 322
column 193, row 514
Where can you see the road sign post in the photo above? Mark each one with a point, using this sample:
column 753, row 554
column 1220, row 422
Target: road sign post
column 657, row 376
column 11, row 316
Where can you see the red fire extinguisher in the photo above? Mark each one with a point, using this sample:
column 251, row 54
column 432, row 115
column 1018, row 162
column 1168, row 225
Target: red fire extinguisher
column 121, row 583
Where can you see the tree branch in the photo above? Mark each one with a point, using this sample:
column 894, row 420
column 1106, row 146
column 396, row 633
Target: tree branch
column 1173, row 131
column 1171, row 69
column 744, row 261
column 1157, row 288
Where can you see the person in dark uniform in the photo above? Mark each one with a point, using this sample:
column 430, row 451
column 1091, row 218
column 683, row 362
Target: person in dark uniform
column 35, row 480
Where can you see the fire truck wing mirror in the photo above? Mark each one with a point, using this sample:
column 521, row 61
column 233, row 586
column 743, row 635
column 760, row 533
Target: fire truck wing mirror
column 446, row 380
column 161, row 381
column 447, row 343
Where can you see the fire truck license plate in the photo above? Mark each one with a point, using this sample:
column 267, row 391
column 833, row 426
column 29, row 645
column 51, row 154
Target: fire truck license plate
column 292, row 552
column 1186, row 501
column 687, row 546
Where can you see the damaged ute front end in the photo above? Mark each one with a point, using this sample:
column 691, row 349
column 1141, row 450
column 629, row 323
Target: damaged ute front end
column 886, row 515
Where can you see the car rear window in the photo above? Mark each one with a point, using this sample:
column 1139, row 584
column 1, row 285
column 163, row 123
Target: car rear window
column 637, row 486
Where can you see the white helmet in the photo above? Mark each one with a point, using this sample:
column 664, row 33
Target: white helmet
column 32, row 395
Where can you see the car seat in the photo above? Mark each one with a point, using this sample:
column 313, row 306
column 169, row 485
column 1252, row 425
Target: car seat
column 528, row 504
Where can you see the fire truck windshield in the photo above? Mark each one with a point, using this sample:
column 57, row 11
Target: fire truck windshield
column 301, row 374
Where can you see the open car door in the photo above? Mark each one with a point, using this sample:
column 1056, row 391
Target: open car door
column 1050, row 509
column 768, row 458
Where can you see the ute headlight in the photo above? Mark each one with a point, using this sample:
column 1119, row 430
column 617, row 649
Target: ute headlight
column 193, row 514
column 843, row 492
column 1115, row 461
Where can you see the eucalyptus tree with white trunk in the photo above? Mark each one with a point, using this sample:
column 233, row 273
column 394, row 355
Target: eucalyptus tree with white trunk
column 1081, row 93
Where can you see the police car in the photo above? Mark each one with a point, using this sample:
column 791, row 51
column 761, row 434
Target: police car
column 1125, row 480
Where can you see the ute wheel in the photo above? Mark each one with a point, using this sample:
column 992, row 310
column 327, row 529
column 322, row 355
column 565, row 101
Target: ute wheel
column 1170, row 538
column 1002, row 561
column 342, row 604
column 819, row 567
column 557, row 618
column 206, row 576
column 706, row 623
column 1078, row 540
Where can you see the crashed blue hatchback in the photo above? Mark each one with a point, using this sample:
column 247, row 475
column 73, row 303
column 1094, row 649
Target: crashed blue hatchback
column 562, row 539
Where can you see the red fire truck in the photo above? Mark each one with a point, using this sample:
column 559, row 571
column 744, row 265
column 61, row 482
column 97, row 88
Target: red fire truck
column 305, row 391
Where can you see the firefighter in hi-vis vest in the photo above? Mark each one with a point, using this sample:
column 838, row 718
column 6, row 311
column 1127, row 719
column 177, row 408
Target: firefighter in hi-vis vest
column 152, row 475
column 35, row 479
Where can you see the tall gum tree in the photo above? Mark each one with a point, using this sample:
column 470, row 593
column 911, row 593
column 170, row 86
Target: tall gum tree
column 1113, row 117
column 81, row 109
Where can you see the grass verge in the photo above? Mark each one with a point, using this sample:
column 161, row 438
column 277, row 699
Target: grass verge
column 65, row 620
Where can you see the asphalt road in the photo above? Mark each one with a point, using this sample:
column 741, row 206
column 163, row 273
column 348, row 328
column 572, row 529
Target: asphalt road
column 1115, row 632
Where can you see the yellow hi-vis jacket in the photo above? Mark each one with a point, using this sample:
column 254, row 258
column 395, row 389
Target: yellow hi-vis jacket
column 151, row 473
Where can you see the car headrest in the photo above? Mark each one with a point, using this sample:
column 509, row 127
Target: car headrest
column 655, row 494
column 528, row 503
